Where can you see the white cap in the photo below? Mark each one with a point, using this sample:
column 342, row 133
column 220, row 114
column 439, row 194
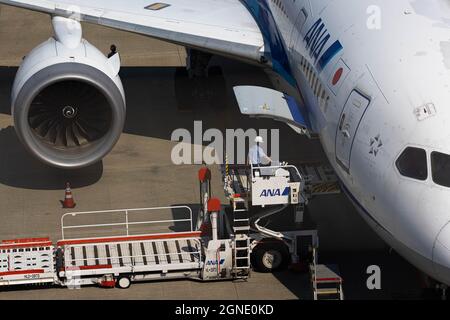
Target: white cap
column 259, row 139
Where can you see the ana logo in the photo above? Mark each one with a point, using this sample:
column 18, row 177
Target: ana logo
column 317, row 39
column 214, row 262
column 274, row 192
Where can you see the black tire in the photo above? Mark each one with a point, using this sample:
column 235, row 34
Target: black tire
column 270, row 257
column 123, row 282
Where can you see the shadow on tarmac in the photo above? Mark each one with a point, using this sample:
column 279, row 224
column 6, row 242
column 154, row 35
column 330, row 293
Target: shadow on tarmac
column 19, row 169
column 399, row 279
column 6, row 82
column 159, row 101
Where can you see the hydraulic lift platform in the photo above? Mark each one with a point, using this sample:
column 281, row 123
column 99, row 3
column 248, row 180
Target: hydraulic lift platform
column 257, row 193
column 216, row 246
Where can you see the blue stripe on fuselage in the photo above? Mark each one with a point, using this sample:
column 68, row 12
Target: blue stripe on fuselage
column 297, row 112
column 332, row 51
column 263, row 16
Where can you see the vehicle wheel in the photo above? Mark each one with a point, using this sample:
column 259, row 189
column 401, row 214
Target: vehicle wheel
column 270, row 257
column 124, row 282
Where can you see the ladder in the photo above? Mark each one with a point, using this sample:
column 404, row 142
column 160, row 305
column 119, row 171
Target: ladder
column 241, row 228
column 326, row 282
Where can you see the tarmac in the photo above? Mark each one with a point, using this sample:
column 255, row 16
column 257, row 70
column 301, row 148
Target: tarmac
column 139, row 172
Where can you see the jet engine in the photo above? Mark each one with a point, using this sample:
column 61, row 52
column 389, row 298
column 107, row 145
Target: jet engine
column 68, row 101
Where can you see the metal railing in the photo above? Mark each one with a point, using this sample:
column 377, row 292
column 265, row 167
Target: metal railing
column 127, row 223
column 232, row 179
column 274, row 168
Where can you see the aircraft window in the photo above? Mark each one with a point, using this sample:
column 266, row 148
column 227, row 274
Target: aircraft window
column 412, row 163
column 440, row 167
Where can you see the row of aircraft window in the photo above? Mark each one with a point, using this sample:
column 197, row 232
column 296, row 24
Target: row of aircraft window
column 315, row 83
column 280, row 5
column 413, row 163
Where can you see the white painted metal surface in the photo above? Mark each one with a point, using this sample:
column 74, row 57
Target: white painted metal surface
column 87, row 259
column 26, row 262
column 224, row 27
column 263, row 102
column 122, row 256
column 274, row 185
column 349, row 123
column 399, row 58
column 53, row 52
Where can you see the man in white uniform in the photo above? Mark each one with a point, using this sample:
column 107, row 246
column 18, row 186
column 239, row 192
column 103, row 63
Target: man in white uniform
column 256, row 154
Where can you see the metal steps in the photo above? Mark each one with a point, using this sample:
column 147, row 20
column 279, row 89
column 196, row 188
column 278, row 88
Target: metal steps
column 326, row 282
column 241, row 261
column 241, row 228
column 327, row 291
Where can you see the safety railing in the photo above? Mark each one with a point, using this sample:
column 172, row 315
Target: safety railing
column 232, row 179
column 126, row 215
column 273, row 170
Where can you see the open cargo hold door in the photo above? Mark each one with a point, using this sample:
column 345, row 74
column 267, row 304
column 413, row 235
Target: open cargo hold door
column 263, row 102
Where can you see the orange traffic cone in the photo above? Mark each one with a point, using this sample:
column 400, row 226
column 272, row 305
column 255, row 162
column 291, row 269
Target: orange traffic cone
column 68, row 202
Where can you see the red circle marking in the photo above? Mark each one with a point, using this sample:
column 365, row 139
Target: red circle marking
column 337, row 76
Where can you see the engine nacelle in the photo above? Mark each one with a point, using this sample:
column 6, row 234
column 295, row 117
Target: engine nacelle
column 68, row 102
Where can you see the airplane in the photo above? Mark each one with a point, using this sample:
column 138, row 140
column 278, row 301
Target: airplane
column 374, row 91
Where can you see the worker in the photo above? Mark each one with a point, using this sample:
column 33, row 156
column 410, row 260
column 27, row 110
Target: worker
column 113, row 49
column 256, row 154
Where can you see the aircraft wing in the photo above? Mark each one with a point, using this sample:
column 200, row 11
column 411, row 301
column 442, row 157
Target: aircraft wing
column 219, row 26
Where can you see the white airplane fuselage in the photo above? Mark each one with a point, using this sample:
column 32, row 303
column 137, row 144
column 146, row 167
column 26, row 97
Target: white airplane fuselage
column 375, row 79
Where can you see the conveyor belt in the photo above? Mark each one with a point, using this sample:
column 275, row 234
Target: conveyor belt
column 133, row 254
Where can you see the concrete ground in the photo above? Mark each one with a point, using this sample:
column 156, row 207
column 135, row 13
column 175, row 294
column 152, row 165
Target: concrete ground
column 258, row 287
column 139, row 171
column 23, row 30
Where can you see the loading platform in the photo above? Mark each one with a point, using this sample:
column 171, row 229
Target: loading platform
column 259, row 192
column 216, row 246
column 319, row 179
column 134, row 254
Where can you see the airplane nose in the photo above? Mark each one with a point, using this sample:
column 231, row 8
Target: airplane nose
column 441, row 255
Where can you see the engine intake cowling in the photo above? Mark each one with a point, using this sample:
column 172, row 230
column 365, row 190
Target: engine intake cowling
column 68, row 104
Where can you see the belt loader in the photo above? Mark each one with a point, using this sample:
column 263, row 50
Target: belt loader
column 218, row 246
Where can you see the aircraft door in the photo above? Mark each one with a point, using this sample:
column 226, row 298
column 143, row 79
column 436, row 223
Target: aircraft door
column 348, row 125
